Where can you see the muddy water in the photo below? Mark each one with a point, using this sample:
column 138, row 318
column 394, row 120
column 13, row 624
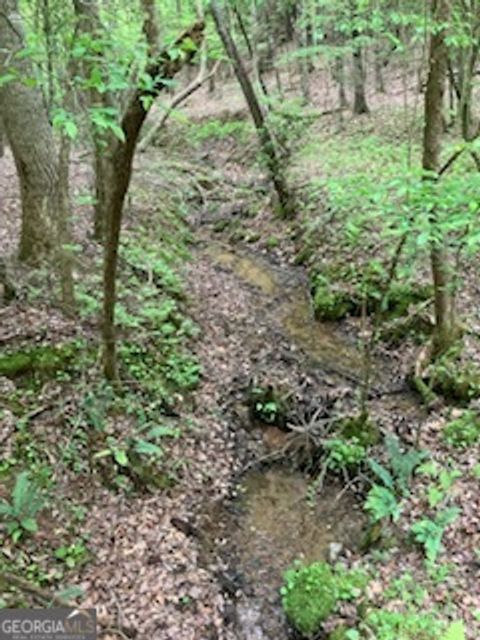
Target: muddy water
column 275, row 521
column 289, row 295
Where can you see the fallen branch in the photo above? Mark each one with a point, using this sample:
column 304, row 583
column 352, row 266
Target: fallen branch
column 178, row 99
column 37, row 592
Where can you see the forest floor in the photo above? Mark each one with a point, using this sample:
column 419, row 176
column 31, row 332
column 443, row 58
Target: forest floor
column 191, row 561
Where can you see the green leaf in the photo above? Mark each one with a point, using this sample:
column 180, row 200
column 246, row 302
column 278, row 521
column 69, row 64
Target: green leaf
column 382, row 503
column 21, row 491
column 29, row 524
column 5, row 509
column 102, row 454
column 71, row 129
column 121, row 457
column 161, row 431
column 383, row 474
column 6, row 78
column 16, row 534
column 148, row 448
column 435, row 496
column 456, row 631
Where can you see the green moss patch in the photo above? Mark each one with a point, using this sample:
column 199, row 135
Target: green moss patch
column 44, row 360
column 311, row 593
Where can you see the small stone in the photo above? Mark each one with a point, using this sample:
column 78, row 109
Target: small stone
column 334, row 551
column 7, row 387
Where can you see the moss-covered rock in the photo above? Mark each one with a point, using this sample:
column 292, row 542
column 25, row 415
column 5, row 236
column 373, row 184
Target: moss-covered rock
column 309, row 597
column 311, row 593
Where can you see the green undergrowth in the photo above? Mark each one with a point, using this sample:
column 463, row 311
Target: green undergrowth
column 453, row 377
column 125, row 436
column 312, row 593
column 365, row 240
column 342, row 290
column 464, row 431
column 219, row 129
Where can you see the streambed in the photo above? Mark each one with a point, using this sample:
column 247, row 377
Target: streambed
column 274, row 517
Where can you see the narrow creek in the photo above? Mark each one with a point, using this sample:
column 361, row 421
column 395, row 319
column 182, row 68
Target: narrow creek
column 274, row 520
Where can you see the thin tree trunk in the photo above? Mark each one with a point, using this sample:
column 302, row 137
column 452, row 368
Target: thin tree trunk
column 465, row 106
column 360, row 105
column 379, row 64
column 339, row 77
column 88, row 22
column 266, row 141
column 444, row 333
column 64, row 251
column 304, row 39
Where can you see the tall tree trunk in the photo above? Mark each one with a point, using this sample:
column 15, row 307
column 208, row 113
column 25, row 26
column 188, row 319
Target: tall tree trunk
column 31, row 139
column 88, row 22
column 444, row 333
column 304, row 39
column 63, row 230
column 360, row 105
column 274, row 163
column 469, row 62
column 379, row 64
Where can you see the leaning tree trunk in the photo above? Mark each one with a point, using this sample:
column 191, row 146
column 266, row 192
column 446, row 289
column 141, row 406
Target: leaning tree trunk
column 118, row 169
column 445, row 332
column 274, row 163
column 30, row 136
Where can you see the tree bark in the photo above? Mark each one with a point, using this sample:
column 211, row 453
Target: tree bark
column 118, row 171
column 339, row 77
column 30, row 137
column 88, row 22
column 2, row 139
column 360, row 105
column 274, row 164
column 444, row 333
